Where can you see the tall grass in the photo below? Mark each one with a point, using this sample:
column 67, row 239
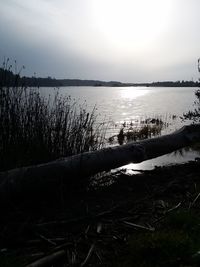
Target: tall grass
column 36, row 129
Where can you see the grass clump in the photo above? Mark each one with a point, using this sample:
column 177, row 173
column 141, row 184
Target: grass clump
column 35, row 128
column 148, row 128
column 160, row 249
column 176, row 244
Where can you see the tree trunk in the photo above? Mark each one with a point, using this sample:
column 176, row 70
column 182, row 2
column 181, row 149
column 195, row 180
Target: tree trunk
column 49, row 177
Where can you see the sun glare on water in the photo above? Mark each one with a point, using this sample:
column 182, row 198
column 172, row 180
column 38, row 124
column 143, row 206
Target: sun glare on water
column 132, row 93
column 131, row 23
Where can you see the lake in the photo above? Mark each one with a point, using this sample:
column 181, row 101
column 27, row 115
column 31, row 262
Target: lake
column 133, row 104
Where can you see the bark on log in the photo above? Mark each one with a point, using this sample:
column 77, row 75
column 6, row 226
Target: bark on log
column 50, row 176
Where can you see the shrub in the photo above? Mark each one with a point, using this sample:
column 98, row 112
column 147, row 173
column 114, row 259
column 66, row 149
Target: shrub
column 195, row 114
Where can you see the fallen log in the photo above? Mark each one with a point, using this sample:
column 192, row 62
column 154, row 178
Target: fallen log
column 49, row 177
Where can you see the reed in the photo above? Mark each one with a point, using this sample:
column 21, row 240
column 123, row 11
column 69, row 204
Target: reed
column 36, row 129
column 148, row 128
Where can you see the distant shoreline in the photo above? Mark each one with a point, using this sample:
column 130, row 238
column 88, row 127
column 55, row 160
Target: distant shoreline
column 13, row 79
column 49, row 82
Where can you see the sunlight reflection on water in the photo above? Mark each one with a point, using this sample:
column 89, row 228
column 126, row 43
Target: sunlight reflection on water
column 169, row 159
column 130, row 93
column 164, row 160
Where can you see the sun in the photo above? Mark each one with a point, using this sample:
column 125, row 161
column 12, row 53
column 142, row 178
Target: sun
column 131, row 24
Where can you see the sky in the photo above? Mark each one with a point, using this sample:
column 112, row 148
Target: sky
column 121, row 40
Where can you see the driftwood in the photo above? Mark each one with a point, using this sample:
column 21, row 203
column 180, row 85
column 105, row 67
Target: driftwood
column 33, row 180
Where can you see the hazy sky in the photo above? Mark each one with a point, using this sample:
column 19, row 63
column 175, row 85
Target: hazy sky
column 123, row 40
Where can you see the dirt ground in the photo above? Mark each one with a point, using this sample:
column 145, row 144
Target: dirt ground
column 94, row 228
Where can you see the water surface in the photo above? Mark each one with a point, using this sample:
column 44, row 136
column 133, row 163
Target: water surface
column 120, row 104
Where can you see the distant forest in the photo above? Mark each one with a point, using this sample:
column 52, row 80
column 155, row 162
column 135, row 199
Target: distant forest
column 8, row 78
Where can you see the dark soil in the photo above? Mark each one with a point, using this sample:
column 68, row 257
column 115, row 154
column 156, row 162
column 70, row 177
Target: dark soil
column 108, row 224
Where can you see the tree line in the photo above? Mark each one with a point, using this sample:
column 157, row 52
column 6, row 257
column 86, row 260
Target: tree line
column 8, row 78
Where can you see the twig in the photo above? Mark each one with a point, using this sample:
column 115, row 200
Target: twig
column 139, row 226
column 174, row 208
column 62, row 246
column 47, row 240
column 168, row 211
column 194, row 201
column 88, row 255
column 38, row 254
column 48, row 260
column 99, row 256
